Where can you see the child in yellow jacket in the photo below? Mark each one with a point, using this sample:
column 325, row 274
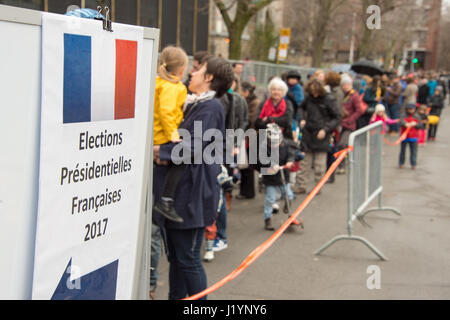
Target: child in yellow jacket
column 170, row 95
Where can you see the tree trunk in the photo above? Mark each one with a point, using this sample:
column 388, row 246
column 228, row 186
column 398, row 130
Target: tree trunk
column 317, row 55
column 235, row 48
column 388, row 55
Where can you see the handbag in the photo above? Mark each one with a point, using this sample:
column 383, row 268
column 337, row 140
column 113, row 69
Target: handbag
column 242, row 159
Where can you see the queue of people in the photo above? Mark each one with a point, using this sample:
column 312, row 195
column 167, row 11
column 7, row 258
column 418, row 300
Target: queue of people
column 306, row 124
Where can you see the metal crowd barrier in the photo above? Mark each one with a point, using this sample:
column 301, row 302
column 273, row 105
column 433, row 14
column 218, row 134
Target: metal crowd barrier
column 364, row 182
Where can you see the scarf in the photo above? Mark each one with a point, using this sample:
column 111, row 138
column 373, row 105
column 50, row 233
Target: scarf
column 269, row 110
column 195, row 99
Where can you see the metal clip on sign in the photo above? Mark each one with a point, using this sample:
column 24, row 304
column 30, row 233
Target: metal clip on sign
column 107, row 24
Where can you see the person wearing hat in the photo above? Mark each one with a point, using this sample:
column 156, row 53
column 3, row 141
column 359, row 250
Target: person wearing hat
column 412, row 121
column 295, row 92
column 380, row 115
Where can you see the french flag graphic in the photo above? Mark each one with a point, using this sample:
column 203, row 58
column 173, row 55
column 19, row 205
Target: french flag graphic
column 99, row 78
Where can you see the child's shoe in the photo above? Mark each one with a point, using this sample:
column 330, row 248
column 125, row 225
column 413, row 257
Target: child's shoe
column 209, row 256
column 219, row 245
column 166, row 209
column 268, row 224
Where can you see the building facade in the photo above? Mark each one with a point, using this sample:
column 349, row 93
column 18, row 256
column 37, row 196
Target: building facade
column 182, row 22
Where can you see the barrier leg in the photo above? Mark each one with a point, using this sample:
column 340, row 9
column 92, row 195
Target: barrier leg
column 351, row 237
column 361, row 215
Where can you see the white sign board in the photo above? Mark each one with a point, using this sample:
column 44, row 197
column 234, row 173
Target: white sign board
column 94, row 124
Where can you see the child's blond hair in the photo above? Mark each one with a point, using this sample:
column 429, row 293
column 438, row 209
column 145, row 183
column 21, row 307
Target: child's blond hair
column 171, row 60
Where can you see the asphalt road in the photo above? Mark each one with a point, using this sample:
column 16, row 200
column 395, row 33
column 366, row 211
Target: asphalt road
column 417, row 244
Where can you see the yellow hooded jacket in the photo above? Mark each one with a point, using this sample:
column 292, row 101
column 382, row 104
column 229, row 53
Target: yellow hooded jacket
column 168, row 113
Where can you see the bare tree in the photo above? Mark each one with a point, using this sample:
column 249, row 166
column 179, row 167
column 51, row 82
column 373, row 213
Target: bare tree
column 367, row 35
column 244, row 10
column 323, row 15
column 312, row 24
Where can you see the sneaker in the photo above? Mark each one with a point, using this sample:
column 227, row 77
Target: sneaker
column 219, row 245
column 340, row 171
column 167, row 210
column 400, row 166
column 275, row 208
column 209, row 256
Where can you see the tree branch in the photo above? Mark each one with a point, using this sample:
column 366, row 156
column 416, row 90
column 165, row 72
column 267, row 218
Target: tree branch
column 224, row 12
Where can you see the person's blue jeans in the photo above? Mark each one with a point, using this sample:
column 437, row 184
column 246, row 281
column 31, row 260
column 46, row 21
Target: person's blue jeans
column 394, row 113
column 221, row 222
column 154, row 256
column 272, row 195
column 186, row 273
column 413, row 152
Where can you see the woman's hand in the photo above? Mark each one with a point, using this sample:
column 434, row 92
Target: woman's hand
column 321, row 134
column 302, row 124
column 288, row 165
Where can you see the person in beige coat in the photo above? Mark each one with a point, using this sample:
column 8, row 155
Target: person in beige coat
column 410, row 93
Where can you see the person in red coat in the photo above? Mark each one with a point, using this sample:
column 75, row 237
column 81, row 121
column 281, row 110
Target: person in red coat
column 412, row 121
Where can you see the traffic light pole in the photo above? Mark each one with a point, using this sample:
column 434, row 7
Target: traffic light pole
column 412, row 61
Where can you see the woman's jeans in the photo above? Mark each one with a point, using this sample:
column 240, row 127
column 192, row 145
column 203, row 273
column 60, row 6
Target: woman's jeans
column 186, row 274
column 413, row 152
column 154, row 256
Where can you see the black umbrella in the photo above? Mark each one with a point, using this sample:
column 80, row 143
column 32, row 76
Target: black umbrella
column 367, row 67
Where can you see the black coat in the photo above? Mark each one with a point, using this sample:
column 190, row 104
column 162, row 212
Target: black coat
column 286, row 154
column 319, row 113
column 422, row 96
column 197, row 194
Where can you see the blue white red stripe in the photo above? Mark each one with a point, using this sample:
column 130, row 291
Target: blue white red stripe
column 99, row 78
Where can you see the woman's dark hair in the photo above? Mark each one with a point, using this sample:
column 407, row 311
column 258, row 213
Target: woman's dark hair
column 222, row 72
column 247, row 86
column 201, row 56
column 314, row 85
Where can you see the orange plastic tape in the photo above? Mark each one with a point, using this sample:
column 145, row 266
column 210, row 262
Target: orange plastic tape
column 255, row 254
column 399, row 140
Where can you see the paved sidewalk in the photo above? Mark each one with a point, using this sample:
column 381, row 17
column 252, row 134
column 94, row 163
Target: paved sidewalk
column 416, row 244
